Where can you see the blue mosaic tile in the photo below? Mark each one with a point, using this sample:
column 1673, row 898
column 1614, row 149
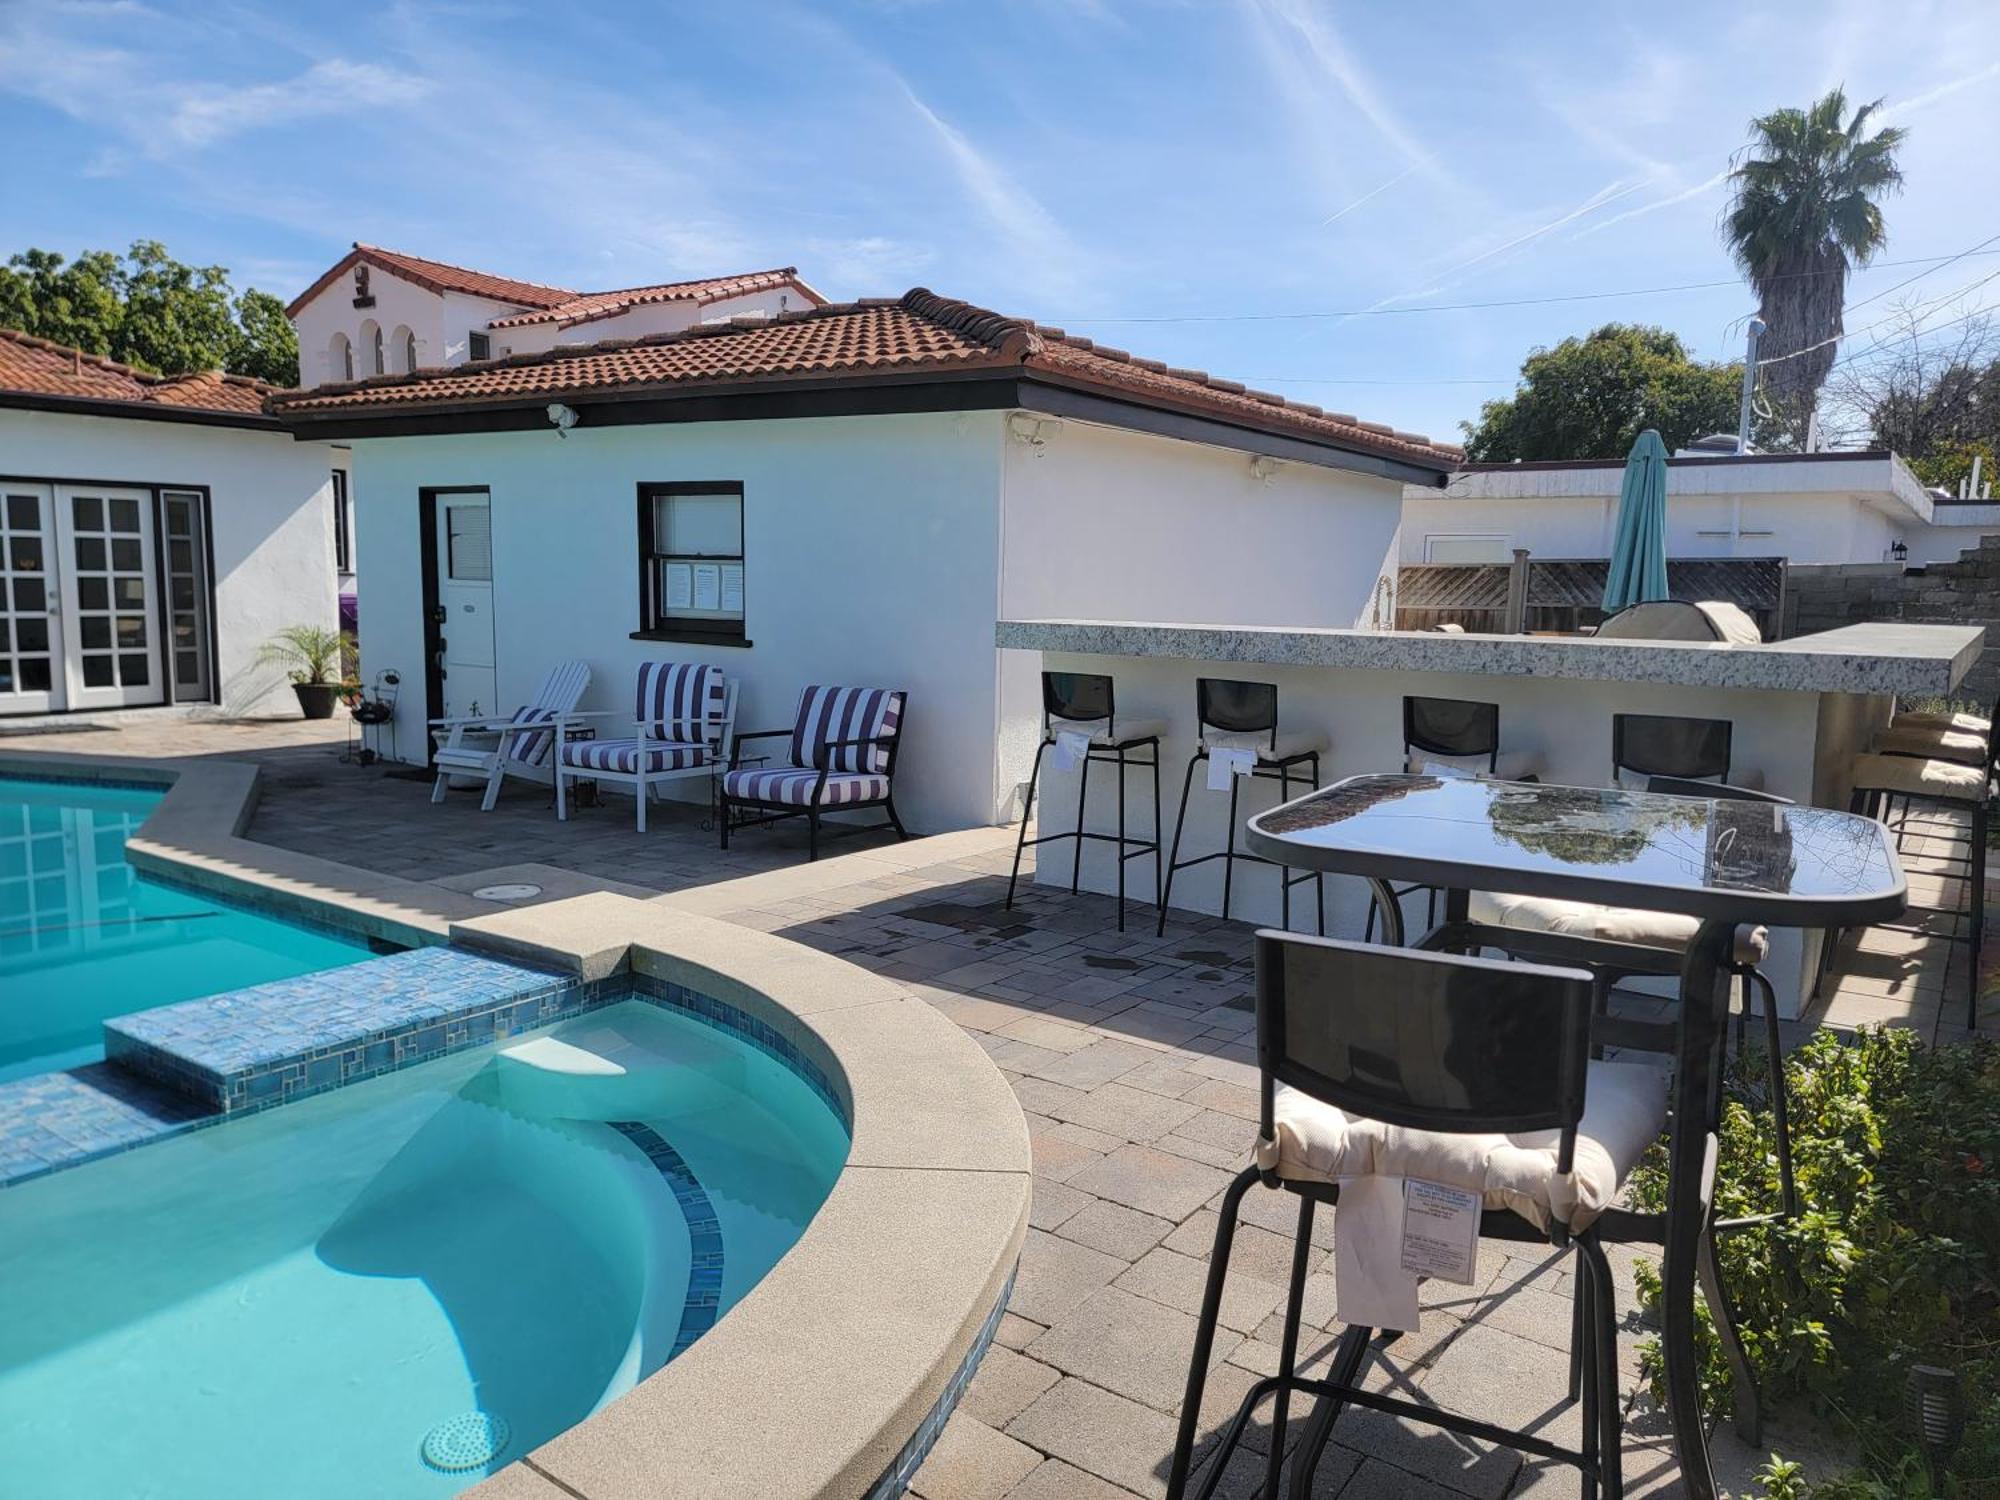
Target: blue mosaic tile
column 704, row 1292
column 56, row 1120
column 302, row 1035
column 896, row 1478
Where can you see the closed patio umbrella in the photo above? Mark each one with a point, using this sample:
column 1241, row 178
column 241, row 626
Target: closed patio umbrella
column 1638, row 569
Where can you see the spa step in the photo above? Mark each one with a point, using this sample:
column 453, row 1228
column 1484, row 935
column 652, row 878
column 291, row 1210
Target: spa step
column 630, row 1065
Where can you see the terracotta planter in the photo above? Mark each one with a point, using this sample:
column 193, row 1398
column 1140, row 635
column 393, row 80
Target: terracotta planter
column 316, row 699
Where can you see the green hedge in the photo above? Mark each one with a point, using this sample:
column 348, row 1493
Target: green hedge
column 1895, row 1262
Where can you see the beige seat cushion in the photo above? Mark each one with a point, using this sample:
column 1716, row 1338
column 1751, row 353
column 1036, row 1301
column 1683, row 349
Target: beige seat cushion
column 1511, row 765
column 1960, row 745
column 1289, row 743
column 1625, row 1109
column 1906, row 776
column 1966, row 723
column 1101, row 733
column 1610, row 924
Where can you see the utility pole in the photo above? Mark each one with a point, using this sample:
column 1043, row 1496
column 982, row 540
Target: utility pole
column 1749, row 386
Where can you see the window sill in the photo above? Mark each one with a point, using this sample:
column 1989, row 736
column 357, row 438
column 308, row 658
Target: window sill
column 692, row 637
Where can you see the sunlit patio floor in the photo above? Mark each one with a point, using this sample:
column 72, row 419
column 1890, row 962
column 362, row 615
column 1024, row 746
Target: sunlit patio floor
column 1131, row 1057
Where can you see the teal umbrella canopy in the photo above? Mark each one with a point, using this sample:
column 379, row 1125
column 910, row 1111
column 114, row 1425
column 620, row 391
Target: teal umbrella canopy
column 1638, row 569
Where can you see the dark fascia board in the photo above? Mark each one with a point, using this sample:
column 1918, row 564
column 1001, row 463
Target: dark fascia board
column 975, row 391
column 925, row 391
column 138, row 411
column 1087, row 406
column 1692, row 460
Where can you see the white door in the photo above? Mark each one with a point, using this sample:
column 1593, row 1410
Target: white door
column 31, row 652
column 465, row 600
column 110, row 610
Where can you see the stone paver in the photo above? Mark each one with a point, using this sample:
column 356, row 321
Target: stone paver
column 1131, row 1055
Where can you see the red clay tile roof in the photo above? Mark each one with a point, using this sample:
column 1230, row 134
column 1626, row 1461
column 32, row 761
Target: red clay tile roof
column 435, row 276
column 593, row 305
column 918, row 333
column 36, row 367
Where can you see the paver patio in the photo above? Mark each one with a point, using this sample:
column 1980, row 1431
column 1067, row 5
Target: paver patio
column 1131, row 1057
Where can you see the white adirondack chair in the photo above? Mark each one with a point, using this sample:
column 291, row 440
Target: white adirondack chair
column 522, row 744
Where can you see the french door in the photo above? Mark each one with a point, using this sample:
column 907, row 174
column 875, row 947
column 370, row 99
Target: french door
column 31, row 663
column 81, row 608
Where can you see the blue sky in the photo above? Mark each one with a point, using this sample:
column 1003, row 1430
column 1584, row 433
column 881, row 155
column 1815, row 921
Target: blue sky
column 1180, row 179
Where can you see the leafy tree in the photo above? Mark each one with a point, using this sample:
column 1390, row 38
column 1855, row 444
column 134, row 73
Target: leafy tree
column 266, row 345
column 148, row 310
column 1806, row 209
column 1591, row 397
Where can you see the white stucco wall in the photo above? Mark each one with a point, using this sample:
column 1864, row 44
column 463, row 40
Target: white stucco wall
column 870, row 558
column 646, row 319
column 1807, row 528
column 398, row 304
column 271, row 511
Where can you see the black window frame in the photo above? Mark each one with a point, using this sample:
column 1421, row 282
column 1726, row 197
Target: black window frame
column 343, row 540
column 657, row 626
column 478, row 345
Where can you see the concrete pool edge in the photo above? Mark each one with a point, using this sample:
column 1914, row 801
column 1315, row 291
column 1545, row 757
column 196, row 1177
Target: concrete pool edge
column 831, row 1375
column 194, row 837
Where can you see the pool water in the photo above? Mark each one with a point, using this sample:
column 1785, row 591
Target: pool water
column 84, row 936
column 291, row 1303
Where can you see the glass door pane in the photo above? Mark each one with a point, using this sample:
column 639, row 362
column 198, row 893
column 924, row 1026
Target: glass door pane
column 31, row 677
column 111, row 638
column 187, row 594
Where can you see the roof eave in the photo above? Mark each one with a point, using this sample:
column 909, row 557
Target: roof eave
column 139, row 411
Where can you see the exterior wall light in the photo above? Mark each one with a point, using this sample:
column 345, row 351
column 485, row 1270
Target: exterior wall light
column 564, row 418
column 1264, row 469
column 1899, row 551
column 1026, row 427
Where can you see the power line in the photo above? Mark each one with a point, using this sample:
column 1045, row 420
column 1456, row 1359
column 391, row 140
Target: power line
column 1435, row 307
column 1897, row 317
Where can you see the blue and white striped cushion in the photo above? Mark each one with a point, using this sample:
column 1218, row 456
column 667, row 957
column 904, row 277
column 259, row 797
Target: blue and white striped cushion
column 676, row 699
column 794, row 788
column 622, row 756
column 530, row 747
column 831, row 714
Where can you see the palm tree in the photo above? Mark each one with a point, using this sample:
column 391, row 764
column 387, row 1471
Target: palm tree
column 1806, row 209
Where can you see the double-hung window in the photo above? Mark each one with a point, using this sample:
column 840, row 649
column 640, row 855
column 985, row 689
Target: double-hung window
column 691, row 562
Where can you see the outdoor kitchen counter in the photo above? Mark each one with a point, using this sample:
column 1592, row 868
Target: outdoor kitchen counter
column 1869, row 659
column 1800, row 711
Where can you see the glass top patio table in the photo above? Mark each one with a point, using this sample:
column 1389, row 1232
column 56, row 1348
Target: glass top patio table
column 1722, row 860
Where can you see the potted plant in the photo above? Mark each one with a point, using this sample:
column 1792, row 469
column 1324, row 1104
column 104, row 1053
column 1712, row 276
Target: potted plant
column 311, row 656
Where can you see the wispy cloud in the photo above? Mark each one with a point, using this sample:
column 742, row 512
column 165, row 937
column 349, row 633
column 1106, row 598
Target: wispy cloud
column 1700, row 189
column 1610, row 193
column 1371, row 195
column 1897, row 108
column 207, row 114
column 1334, row 63
column 1029, row 230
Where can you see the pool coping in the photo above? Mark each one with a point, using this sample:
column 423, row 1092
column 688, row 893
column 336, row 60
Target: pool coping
column 833, row 1375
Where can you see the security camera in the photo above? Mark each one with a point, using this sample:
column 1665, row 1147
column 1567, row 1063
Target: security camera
column 564, row 417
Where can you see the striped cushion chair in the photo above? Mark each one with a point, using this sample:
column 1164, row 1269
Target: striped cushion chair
column 521, row 744
column 681, row 717
column 842, row 748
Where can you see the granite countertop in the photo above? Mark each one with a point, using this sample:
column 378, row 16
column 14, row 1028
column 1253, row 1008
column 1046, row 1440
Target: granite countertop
column 1874, row 658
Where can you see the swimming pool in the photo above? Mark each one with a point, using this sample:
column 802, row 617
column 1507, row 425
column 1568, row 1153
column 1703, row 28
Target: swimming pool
column 84, row 936
column 490, row 1246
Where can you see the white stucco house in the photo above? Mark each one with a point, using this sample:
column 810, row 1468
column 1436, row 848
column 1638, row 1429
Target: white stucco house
column 1812, row 508
column 380, row 312
column 155, row 532
column 874, row 484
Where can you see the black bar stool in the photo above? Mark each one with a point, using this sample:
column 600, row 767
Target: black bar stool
column 1391, row 1061
column 1082, row 703
column 1463, row 732
column 1234, row 715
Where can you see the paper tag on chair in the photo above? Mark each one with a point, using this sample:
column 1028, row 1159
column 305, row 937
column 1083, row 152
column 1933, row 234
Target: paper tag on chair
column 1370, row 1286
column 1440, row 1230
column 1224, row 763
column 1071, row 747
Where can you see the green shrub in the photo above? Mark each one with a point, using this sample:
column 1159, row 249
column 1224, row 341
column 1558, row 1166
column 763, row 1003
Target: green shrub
column 1895, row 1262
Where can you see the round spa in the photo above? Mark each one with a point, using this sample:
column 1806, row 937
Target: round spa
column 399, row 1287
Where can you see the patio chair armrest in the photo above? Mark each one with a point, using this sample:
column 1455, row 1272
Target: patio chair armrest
column 873, row 741
column 756, row 734
column 476, row 721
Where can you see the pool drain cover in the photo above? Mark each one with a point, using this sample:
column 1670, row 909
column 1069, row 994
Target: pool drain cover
column 511, row 892
column 470, row 1440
